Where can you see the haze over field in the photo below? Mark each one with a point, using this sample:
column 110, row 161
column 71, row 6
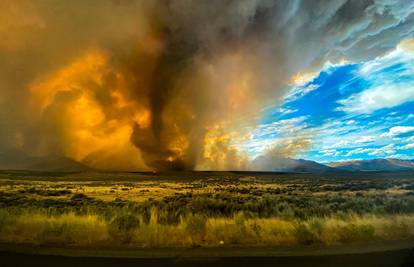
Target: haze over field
column 206, row 85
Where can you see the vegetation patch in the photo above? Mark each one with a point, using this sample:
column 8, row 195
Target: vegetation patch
column 232, row 210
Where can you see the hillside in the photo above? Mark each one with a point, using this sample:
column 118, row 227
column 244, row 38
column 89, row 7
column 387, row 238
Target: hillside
column 16, row 160
column 387, row 164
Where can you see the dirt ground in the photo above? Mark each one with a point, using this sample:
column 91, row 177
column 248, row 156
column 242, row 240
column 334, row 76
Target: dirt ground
column 396, row 253
column 404, row 257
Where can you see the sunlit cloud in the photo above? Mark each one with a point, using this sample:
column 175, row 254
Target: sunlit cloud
column 408, row 146
column 398, row 131
column 385, row 150
column 365, row 139
column 389, row 82
column 359, row 151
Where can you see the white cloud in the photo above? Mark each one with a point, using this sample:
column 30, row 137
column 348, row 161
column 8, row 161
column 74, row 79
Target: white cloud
column 377, row 66
column 330, row 152
column 398, row 130
column 385, row 150
column 300, row 91
column 382, row 96
column 267, row 135
column 365, row 139
column 389, row 83
column 341, row 143
column 287, row 110
column 408, row 146
column 359, row 150
column 288, row 126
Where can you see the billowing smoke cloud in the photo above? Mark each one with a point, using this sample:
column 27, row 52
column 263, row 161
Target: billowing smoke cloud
column 279, row 156
column 138, row 85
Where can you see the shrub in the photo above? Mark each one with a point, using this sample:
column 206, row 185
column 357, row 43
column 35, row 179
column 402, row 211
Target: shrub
column 304, row 235
column 66, row 229
column 121, row 225
column 6, row 219
column 195, row 224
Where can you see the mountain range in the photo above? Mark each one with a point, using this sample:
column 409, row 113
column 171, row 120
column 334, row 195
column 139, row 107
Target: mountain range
column 262, row 163
column 387, row 164
column 15, row 160
column 300, row 165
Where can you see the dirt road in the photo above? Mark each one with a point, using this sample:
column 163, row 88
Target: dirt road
column 403, row 257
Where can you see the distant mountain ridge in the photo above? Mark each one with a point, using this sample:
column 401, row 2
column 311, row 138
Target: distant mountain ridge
column 16, row 160
column 289, row 165
column 380, row 164
column 301, row 165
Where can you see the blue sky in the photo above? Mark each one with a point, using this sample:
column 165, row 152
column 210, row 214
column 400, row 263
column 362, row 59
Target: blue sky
column 346, row 111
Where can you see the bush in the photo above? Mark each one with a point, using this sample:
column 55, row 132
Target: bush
column 6, row 219
column 305, row 235
column 121, row 225
column 195, row 224
column 67, row 229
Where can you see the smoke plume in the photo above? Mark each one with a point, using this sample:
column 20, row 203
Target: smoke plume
column 165, row 85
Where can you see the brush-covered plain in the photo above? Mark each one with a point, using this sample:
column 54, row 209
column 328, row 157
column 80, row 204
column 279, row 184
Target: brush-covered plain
column 204, row 209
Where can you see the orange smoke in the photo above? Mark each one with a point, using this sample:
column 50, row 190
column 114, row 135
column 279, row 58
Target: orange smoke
column 92, row 110
column 87, row 129
column 89, row 108
column 88, row 69
column 220, row 153
column 138, row 85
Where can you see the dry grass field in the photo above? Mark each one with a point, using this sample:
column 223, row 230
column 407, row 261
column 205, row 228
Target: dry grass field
column 204, row 209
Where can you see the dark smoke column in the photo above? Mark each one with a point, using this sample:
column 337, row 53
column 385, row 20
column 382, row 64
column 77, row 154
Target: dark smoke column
column 153, row 141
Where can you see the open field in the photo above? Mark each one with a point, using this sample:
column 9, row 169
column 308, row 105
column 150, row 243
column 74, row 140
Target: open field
column 207, row 209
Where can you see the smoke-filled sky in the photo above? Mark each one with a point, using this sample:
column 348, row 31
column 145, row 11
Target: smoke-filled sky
column 181, row 84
